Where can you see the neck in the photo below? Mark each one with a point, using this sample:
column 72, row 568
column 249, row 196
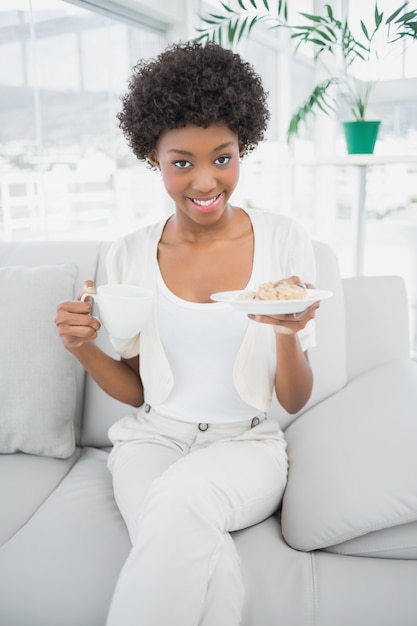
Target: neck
column 183, row 229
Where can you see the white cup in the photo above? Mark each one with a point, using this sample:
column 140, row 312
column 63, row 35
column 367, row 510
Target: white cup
column 123, row 309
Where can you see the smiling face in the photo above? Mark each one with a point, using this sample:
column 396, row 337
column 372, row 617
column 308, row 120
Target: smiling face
column 200, row 169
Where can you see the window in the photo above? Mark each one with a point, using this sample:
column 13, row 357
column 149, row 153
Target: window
column 65, row 168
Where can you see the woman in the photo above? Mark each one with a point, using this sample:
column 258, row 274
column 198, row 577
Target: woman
column 199, row 458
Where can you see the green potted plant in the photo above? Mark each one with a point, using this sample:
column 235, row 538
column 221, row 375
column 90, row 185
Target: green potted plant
column 330, row 36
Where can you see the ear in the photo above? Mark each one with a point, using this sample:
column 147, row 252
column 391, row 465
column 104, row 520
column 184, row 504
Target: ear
column 153, row 158
column 241, row 149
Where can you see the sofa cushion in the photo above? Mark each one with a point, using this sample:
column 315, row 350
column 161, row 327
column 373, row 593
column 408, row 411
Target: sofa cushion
column 37, row 387
column 397, row 542
column 353, row 462
column 26, row 481
column 61, row 568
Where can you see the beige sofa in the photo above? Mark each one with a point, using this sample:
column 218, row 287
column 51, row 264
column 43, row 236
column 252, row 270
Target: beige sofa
column 343, row 549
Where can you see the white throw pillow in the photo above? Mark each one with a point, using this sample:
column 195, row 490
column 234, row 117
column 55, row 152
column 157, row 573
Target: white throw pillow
column 37, row 384
column 353, row 461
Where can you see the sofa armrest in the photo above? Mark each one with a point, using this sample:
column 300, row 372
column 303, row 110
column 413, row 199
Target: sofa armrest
column 377, row 324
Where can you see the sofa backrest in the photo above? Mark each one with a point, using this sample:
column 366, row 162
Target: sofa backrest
column 377, row 322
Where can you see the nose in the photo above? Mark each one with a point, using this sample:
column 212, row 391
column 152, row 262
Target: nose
column 204, row 180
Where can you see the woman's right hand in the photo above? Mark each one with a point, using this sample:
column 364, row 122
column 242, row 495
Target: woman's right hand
column 76, row 326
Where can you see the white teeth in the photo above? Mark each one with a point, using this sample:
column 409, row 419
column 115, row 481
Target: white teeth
column 205, row 202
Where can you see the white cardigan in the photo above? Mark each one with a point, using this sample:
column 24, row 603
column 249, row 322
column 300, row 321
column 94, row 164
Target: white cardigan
column 282, row 249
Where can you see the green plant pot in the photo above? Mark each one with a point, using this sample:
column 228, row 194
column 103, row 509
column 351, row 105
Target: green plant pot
column 361, row 136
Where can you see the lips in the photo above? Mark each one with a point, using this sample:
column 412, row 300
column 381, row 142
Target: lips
column 206, row 205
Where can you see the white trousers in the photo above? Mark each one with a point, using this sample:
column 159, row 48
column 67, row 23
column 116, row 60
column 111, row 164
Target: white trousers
column 181, row 491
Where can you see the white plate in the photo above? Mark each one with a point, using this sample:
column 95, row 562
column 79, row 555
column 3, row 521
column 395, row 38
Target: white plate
column 270, row 307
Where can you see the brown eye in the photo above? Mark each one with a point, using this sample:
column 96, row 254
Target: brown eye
column 182, row 165
column 223, row 160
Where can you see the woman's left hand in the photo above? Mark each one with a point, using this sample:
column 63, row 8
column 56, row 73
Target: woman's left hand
column 290, row 323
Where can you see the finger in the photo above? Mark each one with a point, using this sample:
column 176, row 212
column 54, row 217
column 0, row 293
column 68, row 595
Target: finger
column 75, row 320
column 75, row 313
column 77, row 332
column 294, row 280
column 73, row 306
column 74, row 336
column 271, row 319
column 88, row 287
column 291, row 318
column 308, row 313
column 313, row 307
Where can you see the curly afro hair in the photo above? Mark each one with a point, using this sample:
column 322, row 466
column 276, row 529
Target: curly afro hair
column 193, row 83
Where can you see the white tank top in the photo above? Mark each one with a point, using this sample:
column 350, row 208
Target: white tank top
column 201, row 341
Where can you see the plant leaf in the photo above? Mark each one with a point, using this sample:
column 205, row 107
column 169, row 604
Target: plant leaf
column 220, row 36
column 312, row 18
column 365, row 30
column 283, row 9
column 406, row 17
column 324, row 35
column 318, row 99
column 208, row 21
column 394, row 15
column 242, row 28
column 254, row 20
column 318, row 42
column 378, row 17
column 231, row 31
column 227, row 8
column 217, row 18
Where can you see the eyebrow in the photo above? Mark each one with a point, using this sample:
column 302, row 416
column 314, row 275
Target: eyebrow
column 187, row 153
